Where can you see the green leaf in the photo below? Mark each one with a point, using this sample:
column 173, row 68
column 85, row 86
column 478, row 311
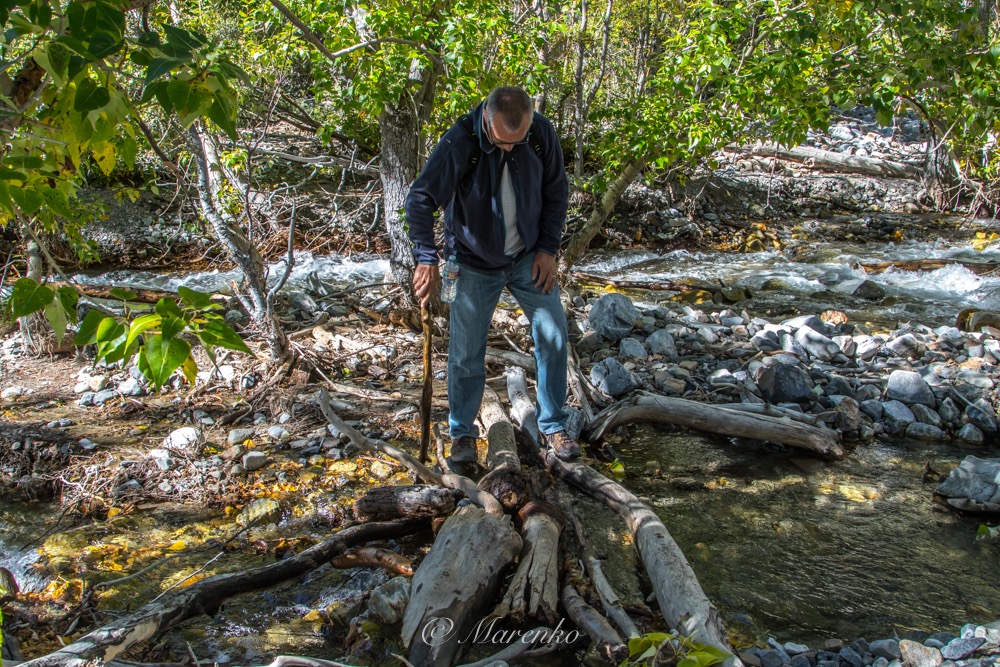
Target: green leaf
column 28, row 199
column 90, row 96
column 103, row 44
column 56, row 315
column 190, row 370
column 217, row 333
column 75, row 13
column 149, row 39
column 29, row 297
column 23, row 161
column 162, row 356
column 618, row 469
column 197, row 300
column 110, row 339
column 183, row 38
column 121, row 293
column 141, row 324
column 54, row 59
column 11, row 175
column 128, row 151
column 69, row 298
column 160, row 66
column 223, row 113
column 190, row 100
column 87, row 335
column 165, row 307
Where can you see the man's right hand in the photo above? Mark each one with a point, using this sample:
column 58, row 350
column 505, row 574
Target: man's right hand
column 425, row 280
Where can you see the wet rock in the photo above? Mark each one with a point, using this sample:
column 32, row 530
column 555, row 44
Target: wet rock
column 811, row 321
column 925, row 432
column 767, row 341
column 975, row 479
column 185, row 439
column 262, row 511
column 909, row 387
column 917, row 655
column 388, row 601
column 239, row 435
column 898, row 412
column 783, row 383
column 630, row 348
column 960, row 647
column 613, row 316
column 869, row 291
column 907, row 345
column 981, row 419
column 885, row 648
column 972, row 435
column 816, row 344
column 254, row 461
column 103, row 396
column 927, row 416
column 795, row 649
column 771, row 658
column 612, row 378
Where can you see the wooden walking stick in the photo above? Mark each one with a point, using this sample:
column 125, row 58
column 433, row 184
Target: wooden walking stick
column 425, row 395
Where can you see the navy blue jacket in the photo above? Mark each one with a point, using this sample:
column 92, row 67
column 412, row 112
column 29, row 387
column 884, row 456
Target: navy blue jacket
column 470, row 196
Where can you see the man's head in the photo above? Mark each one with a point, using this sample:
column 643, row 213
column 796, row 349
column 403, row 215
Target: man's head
column 507, row 116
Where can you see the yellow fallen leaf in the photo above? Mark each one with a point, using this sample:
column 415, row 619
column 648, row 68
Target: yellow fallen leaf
column 313, row 615
column 113, row 512
column 177, row 546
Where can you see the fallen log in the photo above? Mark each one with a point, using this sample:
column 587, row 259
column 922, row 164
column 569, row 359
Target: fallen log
column 384, row 503
column 683, row 603
column 522, row 409
column 374, row 557
column 534, row 590
column 817, row 158
column 505, row 481
column 204, row 597
column 716, row 419
column 529, row 644
column 605, row 638
column 458, row 577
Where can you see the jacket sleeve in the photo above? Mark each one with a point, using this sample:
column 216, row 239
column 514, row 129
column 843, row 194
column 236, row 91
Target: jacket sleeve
column 555, row 189
column 433, row 190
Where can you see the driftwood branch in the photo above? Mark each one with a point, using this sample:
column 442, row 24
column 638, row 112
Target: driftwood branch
column 534, row 590
column 605, row 638
column 716, row 419
column 384, row 503
column 204, row 597
column 817, row 158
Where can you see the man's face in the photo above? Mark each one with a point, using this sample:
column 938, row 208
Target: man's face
column 501, row 138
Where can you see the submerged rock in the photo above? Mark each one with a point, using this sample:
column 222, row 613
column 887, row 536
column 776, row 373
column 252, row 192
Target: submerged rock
column 976, row 480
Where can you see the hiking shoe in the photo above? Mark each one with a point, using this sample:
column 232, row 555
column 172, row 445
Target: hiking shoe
column 463, row 449
column 565, row 447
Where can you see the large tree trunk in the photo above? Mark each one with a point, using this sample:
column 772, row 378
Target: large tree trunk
column 401, row 125
column 581, row 239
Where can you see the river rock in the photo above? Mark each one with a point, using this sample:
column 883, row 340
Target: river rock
column 613, row 316
column 848, row 415
column 974, row 479
column 279, row 434
column 591, row 342
column 239, row 435
column 898, row 413
column 254, row 461
column 885, row 648
column 784, row 383
column 869, row 291
column 131, row 387
column 104, row 395
column 262, row 511
column 925, row 432
column 816, row 344
column 981, row 419
column 907, row 345
column 612, row 378
column 927, row 416
column 918, row 655
column 661, row 342
column 388, row 601
column 851, row 658
column 847, row 344
column 867, row 347
column 960, row 647
column 185, row 439
column 909, row 387
column 975, row 378
column 950, row 414
column 811, row 321
column 972, row 435
column 630, row 348
column 86, row 399
column 161, row 457
column 873, row 408
column 766, row 340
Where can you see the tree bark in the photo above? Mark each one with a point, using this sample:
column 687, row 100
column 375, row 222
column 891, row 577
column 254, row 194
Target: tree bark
column 716, row 419
column 384, row 503
column 534, row 589
column 458, row 577
column 204, row 597
column 583, row 236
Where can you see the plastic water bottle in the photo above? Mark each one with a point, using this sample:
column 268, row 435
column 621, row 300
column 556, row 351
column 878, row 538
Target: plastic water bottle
column 449, row 280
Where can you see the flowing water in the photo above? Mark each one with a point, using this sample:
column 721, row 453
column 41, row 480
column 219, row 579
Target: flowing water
column 791, row 547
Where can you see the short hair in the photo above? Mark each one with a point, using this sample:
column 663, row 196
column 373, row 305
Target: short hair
column 512, row 103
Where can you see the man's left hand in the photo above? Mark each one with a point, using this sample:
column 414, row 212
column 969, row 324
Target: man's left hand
column 543, row 271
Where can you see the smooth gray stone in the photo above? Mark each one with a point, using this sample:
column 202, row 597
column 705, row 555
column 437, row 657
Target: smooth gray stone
column 868, row 346
column 866, row 392
column 766, row 340
column 238, row 435
column 591, row 342
column 278, row 433
column 885, row 648
column 783, row 383
column 851, row 658
column 873, row 408
column 387, row 602
column 869, row 291
column 254, row 461
column 771, row 658
column 880, row 662
column 926, row 415
column 910, row 388
column 130, row 387
column 949, row 412
column 925, row 432
column 907, row 345
column 848, row 415
column 974, row 478
column 104, row 395
column 816, row 344
column 811, row 321
column 86, row 399
column 612, row 378
column 792, row 346
column 972, row 435
column 630, row 348
column 898, row 412
column 613, row 316
column 960, row 647
column 661, row 342
column 847, row 344
column 978, row 416
column 794, row 649
column 186, row 438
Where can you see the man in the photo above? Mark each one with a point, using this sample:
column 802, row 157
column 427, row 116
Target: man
column 498, row 174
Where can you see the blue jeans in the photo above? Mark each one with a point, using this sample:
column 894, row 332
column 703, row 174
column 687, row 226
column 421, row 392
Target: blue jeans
column 471, row 316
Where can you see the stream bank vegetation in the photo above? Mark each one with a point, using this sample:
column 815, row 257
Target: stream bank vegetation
column 288, row 126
